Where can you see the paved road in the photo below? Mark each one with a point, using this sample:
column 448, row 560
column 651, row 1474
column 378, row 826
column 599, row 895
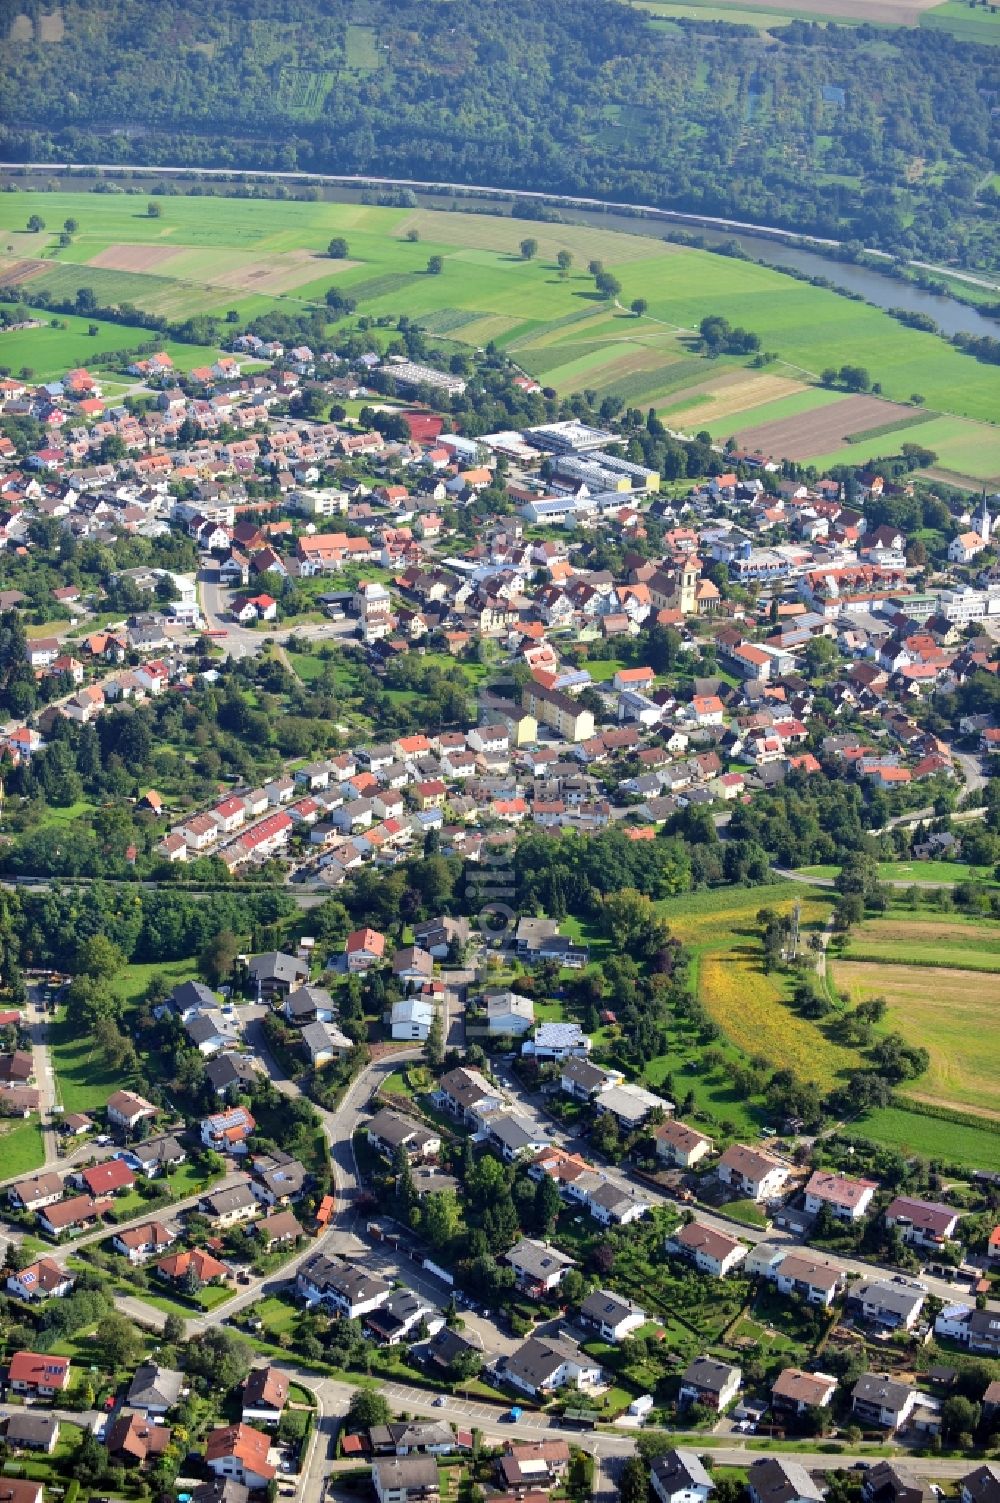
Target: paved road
column 244, row 642
column 41, row 1068
column 532, row 1107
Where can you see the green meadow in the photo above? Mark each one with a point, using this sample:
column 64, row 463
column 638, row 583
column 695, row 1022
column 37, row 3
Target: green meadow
column 50, row 352
column 207, row 254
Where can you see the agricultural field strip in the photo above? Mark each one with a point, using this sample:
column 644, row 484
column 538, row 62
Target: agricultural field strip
column 481, row 274
column 948, row 1008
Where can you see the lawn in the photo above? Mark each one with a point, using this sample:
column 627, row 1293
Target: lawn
column 719, row 928
column 21, row 1147
column 135, row 979
column 931, row 1137
column 84, row 1080
column 970, row 447
column 216, row 254
column 969, row 944
column 951, row 1013
column 51, row 352
column 944, row 873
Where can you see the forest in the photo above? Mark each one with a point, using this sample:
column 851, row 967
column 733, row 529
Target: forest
column 883, row 136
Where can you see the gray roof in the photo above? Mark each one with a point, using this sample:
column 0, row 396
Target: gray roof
column 193, row 994
column 234, row 1199
column 445, row 1345
column 396, row 1472
column 155, row 1385
column 679, row 1470
column 201, row 1029
column 401, row 1306
column 336, row 1276
column 320, row 1037
column 280, row 1173
column 537, row 1259
column 394, row 1129
column 416, row 1435
column 603, row 1306
column 983, row 1484
column 158, row 1150
column 780, row 1479
column 32, row 1429
column 707, row 1373
column 874, row 1388
column 276, row 966
column 886, row 1294
column 539, row 1357
column 588, row 1076
column 514, row 1133
column 306, row 1001
column 616, row 1197
column 230, row 1069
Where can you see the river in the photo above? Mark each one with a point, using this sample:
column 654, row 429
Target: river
column 878, row 288
column 950, row 315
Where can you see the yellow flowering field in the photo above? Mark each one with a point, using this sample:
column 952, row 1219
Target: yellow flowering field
column 749, row 1008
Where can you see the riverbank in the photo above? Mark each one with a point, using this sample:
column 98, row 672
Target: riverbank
column 773, row 246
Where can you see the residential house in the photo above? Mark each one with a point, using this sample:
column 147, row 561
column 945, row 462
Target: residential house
column 228, row 1131
column 397, row 1319
column 614, row 1317
column 37, row 1192
column 240, row 1452
column 922, row 1223
column 276, row 974
column 508, row 1013
column 584, row 1080
column 543, row 1365
column 752, row 1172
column 38, row 1375
column 894, row 1482
column 524, row 1466
column 412, row 1018
column 388, row 1131
column 25, row 1431
column 279, row 1229
column 363, row 949
column 109, row 1178
column 191, row 1265
column 152, row 1156
column 230, row 1207
column 894, row 1304
column 711, row 1251
column 680, row 1477
column 539, row 1268
column 137, row 1243
column 877, row 1399
column 844, row 1198
column 557, row 1041
column 405, row 1479
column 265, row 1394
column 982, row 1485
column 278, row 1179
column 710, row 1383
column 679, row 1144
column 343, row 1287
column 126, row 1110
column 469, row 1096
column 813, row 1279
column 75, row 1214
column 794, row 1391
column 43, row 1279
column 133, row 1440
column 782, row 1479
